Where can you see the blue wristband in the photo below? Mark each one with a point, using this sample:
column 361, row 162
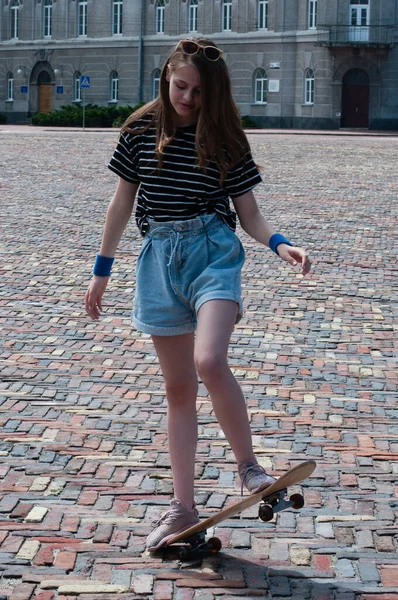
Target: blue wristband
column 275, row 240
column 103, row 266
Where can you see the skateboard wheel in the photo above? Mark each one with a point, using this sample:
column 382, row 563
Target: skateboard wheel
column 298, row 501
column 214, row 544
column 265, row 512
column 183, row 553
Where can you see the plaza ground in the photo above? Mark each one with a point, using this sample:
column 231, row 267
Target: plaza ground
column 84, row 468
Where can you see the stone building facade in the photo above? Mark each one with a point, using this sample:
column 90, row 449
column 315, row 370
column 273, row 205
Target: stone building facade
column 294, row 63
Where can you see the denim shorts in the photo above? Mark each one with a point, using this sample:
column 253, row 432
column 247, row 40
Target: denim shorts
column 182, row 265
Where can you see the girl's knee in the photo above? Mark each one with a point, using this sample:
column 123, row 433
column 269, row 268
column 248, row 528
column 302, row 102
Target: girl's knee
column 210, row 366
column 181, row 391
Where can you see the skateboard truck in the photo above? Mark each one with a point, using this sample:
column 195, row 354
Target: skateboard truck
column 198, row 545
column 278, row 502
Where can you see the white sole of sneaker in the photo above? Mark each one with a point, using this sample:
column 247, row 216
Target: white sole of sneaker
column 169, row 537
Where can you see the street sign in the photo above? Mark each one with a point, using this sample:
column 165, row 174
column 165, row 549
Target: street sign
column 84, row 84
column 84, row 81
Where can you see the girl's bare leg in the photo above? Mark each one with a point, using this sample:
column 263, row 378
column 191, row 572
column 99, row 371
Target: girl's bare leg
column 216, row 320
column 176, row 361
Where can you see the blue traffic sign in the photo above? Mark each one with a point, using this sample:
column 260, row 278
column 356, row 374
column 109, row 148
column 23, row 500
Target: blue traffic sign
column 84, row 81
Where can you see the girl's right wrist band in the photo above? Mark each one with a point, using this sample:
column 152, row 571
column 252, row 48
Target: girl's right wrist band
column 275, row 240
column 103, row 265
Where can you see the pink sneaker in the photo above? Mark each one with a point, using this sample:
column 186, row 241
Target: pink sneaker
column 174, row 521
column 254, row 477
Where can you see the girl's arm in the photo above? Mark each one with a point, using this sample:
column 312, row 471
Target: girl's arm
column 117, row 216
column 255, row 225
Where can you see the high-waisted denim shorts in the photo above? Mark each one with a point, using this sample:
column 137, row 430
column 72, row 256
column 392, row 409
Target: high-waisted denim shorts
column 182, row 265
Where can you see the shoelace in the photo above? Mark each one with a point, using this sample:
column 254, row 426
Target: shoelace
column 170, row 516
column 167, row 519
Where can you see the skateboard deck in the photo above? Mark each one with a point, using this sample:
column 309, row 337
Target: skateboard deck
column 271, row 500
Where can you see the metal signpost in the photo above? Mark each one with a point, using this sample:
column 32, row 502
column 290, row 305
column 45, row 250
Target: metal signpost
column 84, row 84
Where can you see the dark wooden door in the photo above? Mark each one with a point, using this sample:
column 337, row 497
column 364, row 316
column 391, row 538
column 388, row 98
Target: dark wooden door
column 355, row 106
column 45, row 92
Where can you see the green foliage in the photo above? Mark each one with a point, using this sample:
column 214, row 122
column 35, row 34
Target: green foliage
column 248, row 122
column 95, row 116
column 124, row 113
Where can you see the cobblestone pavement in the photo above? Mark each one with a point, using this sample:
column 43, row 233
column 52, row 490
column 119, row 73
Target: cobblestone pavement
column 83, row 455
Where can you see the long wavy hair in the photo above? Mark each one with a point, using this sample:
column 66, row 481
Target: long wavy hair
column 219, row 136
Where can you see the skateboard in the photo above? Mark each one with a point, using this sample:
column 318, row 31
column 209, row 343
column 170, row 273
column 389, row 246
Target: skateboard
column 271, row 500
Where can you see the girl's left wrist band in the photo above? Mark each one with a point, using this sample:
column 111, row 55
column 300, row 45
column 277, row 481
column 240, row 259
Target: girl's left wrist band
column 103, row 265
column 275, row 240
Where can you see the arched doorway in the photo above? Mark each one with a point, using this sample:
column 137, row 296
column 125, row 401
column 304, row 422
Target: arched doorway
column 42, row 82
column 45, row 92
column 355, row 99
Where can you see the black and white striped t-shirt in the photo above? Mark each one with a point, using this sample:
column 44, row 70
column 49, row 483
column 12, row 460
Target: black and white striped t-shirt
column 180, row 190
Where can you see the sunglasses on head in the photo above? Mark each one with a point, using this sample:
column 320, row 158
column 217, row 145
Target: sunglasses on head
column 191, row 47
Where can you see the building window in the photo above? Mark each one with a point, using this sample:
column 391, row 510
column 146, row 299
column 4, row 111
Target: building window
column 359, row 20
column 76, row 87
column 48, row 18
column 312, row 13
column 309, row 87
column 10, row 87
column 260, row 86
column 114, row 87
column 262, row 14
column 117, row 27
column 14, row 25
column 193, row 16
column 227, row 15
column 155, row 84
column 159, row 16
column 82, row 17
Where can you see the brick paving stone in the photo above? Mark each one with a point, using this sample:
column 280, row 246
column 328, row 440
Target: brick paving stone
column 65, row 560
column 345, row 568
column 44, row 595
column 382, row 596
column 368, row 572
column 23, row 591
column 205, row 595
column 163, row 590
column 389, row 576
column 385, row 543
column 83, row 446
column 184, row 594
column 90, row 588
column 280, row 587
column 142, row 583
column 300, row 555
column 240, row 539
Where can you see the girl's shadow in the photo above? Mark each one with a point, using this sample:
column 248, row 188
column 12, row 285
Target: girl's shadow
column 260, row 580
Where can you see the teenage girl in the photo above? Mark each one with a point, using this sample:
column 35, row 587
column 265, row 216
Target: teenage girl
column 186, row 155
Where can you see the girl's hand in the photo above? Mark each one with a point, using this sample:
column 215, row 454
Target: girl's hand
column 94, row 295
column 294, row 255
